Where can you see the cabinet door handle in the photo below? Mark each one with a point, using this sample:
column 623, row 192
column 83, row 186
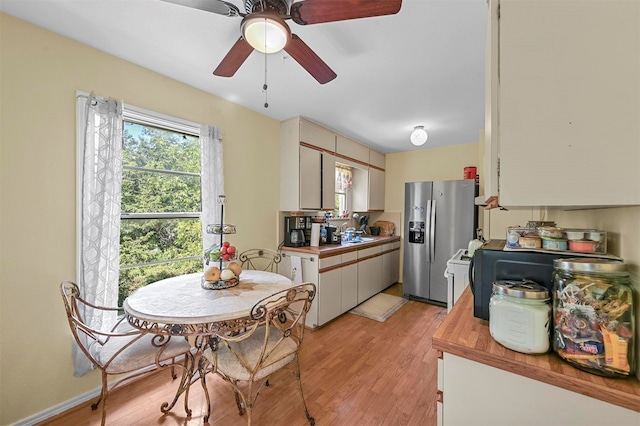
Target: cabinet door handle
column 439, row 397
column 440, row 355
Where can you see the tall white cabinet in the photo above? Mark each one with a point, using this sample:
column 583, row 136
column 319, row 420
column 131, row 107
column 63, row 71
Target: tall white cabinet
column 563, row 102
column 307, row 166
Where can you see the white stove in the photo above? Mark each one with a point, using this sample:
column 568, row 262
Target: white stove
column 457, row 275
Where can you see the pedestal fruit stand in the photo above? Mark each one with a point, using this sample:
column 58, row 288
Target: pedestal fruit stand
column 220, row 270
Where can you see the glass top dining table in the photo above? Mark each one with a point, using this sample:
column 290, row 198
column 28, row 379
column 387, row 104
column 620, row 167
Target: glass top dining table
column 180, row 306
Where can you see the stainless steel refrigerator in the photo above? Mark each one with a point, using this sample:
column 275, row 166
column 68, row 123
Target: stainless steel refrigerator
column 439, row 219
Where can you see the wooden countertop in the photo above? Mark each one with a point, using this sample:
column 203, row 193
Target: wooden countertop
column 466, row 336
column 335, row 249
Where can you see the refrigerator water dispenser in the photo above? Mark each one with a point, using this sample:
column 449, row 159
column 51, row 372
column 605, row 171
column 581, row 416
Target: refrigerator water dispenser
column 416, row 232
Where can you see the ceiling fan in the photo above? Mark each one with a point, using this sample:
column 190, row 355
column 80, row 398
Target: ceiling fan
column 263, row 27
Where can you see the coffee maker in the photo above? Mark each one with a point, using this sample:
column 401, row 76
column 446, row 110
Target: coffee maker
column 297, row 231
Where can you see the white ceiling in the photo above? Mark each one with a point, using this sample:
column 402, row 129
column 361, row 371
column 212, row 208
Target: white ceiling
column 422, row 66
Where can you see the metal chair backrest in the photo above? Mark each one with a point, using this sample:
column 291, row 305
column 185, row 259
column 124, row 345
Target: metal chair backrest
column 87, row 336
column 260, row 260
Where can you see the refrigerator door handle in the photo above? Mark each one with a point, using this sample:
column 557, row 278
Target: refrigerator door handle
column 428, row 230
column 432, row 234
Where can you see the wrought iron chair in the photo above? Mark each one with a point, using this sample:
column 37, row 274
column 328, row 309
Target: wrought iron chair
column 121, row 349
column 271, row 343
column 260, row 260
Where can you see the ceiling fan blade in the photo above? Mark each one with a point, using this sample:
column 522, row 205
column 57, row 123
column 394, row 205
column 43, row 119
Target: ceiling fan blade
column 214, row 6
column 308, row 59
column 318, row 11
column 234, row 59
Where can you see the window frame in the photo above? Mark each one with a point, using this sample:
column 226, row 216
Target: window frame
column 144, row 117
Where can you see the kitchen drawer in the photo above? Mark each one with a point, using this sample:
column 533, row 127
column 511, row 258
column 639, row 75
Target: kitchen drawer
column 349, row 256
column 371, row 251
column 327, row 262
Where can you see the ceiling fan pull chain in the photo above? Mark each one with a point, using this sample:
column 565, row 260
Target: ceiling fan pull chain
column 264, row 86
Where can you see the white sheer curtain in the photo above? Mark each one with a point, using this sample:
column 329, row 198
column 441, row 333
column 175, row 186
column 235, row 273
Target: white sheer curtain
column 101, row 181
column 212, row 179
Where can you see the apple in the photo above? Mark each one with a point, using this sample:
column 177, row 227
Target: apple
column 226, row 244
column 224, row 250
column 226, row 256
column 231, row 250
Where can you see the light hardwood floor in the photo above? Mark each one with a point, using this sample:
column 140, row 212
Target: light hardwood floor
column 355, row 371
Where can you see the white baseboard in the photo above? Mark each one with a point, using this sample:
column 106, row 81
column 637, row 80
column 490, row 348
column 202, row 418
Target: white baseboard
column 73, row 402
column 59, row 408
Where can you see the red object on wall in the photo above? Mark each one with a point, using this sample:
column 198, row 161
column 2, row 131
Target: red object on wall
column 470, row 173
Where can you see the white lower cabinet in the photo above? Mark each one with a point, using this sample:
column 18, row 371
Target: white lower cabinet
column 369, row 272
column 345, row 280
column 390, row 264
column 472, row 393
column 329, row 295
column 440, row 391
column 349, row 289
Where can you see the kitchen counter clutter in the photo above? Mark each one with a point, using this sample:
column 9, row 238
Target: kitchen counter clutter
column 335, row 249
column 345, row 274
column 466, row 343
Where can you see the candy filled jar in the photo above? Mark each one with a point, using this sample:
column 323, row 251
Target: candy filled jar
column 594, row 316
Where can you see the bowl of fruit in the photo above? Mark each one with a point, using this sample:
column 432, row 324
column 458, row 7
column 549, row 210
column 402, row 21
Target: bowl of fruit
column 217, row 279
column 224, row 252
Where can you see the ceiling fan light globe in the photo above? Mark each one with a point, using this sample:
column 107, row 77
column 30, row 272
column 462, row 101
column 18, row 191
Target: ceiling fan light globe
column 267, row 33
column 419, row 136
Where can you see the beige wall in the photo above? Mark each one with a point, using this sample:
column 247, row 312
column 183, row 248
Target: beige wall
column 446, row 163
column 429, row 164
column 40, row 72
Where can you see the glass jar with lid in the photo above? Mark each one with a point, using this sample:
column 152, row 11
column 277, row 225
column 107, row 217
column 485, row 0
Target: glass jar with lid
column 520, row 315
column 594, row 315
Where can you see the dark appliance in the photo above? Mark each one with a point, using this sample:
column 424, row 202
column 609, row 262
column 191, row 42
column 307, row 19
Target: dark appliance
column 333, row 235
column 491, row 263
column 297, row 231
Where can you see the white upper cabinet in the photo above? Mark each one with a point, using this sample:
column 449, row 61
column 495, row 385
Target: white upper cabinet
column 307, row 166
column 491, row 134
column 376, row 189
column 328, row 181
column 352, row 149
column 318, row 136
column 567, row 87
column 310, row 179
column 376, row 159
column 308, row 155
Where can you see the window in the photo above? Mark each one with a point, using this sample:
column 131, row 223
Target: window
column 160, row 226
column 344, row 182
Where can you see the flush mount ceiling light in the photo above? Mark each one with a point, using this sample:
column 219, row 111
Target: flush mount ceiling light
column 265, row 32
column 419, row 136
